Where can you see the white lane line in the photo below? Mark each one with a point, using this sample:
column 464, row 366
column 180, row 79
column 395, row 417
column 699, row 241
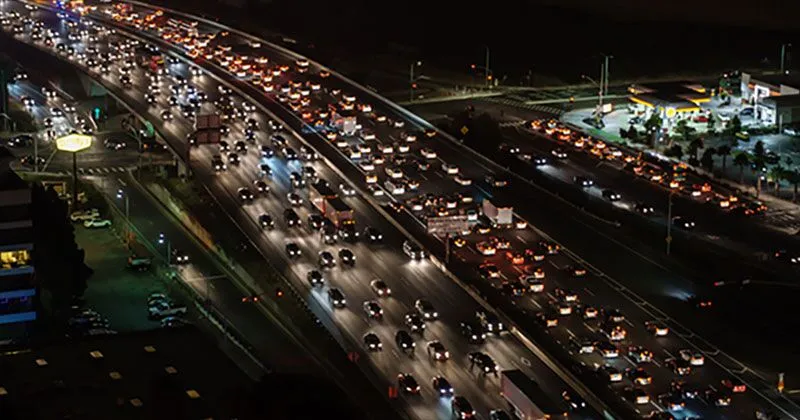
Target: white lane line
column 521, row 239
column 586, row 289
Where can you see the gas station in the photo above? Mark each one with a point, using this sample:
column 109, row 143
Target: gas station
column 672, row 101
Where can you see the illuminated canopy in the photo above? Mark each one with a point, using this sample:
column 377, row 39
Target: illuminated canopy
column 74, row 142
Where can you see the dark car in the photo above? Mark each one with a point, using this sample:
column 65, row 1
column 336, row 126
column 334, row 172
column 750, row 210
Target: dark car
column 373, row 235
column 473, row 332
column 442, row 386
column 372, row 342
column 315, row 278
column 347, row 257
column 265, row 221
column 462, row 409
column 415, row 323
column 336, row 297
column 292, row 219
column 404, row 341
column 407, row 384
column 245, row 195
column 293, row 250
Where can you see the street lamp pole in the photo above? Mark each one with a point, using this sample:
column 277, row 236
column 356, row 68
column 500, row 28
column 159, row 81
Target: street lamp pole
column 783, row 57
column 74, row 180
column 121, row 194
column 486, row 69
column 669, row 223
column 162, row 239
column 412, row 79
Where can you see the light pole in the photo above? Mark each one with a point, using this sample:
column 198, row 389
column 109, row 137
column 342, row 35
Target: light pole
column 412, row 80
column 121, row 195
column 162, row 240
column 668, row 239
column 74, row 143
column 486, row 69
column 783, row 57
column 599, row 111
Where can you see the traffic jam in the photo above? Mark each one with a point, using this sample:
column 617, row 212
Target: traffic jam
column 404, row 169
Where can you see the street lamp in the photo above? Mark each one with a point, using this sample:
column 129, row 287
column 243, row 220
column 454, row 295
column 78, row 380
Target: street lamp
column 412, row 80
column 162, row 240
column 783, row 57
column 74, row 143
column 121, row 195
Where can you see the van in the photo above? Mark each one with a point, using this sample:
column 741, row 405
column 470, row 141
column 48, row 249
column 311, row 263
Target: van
column 413, row 251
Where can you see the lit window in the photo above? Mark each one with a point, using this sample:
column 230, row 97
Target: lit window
column 16, row 258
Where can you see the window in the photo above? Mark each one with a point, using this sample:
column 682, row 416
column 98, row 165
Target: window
column 12, row 259
column 16, row 305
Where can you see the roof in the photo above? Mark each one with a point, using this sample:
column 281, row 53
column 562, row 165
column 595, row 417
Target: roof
column 791, row 79
column 791, row 101
column 166, row 373
column 685, row 94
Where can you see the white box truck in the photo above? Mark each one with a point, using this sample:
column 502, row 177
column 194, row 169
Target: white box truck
column 498, row 214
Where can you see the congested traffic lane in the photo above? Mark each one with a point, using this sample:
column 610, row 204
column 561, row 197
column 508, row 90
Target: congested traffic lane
column 507, row 351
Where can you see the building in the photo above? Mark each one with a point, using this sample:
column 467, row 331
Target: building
column 671, row 100
column 774, row 97
column 17, row 285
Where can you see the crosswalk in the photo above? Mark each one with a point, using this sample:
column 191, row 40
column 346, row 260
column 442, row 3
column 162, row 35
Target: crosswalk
column 508, row 124
column 783, row 219
column 531, row 107
column 97, row 171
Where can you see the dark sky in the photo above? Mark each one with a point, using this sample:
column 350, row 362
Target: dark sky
column 763, row 14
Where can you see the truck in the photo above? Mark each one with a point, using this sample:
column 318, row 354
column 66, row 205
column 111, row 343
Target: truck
column 139, row 257
column 204, row 136
column 498, row 214
column 329, row 204
column 344, row 121
column 204, row 121
column 526, row 398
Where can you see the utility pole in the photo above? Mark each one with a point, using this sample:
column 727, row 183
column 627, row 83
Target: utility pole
column 486, row 69
column 600, row 92
column 669, row 223
column 783, row 57
column 36, row 153
column 447, row 248
column 411, row 83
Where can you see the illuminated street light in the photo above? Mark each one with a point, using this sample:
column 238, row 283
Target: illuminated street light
column 121, row 195
column 412, row 82
column 74, row 143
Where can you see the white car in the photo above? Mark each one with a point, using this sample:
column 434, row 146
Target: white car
column 387, row 149
column 97, row 223
column 403, row 148
column 462, row 180
column 347, row 190
column 694, row 358
column 428, row 153
column 395, row 173
column 84, row 215
column 353, row 153
column 450, row 169
column 366, row 165
column 375, row 190
column 364, row 148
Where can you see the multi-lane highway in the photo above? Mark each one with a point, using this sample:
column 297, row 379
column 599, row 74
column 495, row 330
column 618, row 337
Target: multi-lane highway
column 432, row 179
column 409, row 280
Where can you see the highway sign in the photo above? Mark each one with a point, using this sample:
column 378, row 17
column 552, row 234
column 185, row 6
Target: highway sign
column 447, row 224
column 464, row 130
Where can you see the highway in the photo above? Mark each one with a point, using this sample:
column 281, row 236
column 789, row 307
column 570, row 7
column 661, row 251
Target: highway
column 408, row 280
column 437, row 182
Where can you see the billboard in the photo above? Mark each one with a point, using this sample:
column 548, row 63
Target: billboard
column 447, row 224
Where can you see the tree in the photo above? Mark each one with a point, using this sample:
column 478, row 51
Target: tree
column 759, row 154
column 675, row 151
column 794, row 178
column 789, row 162
column 736, row 124
column 712, row 122
column 653, row 123
column 741, row 160
column 723, row 152
column 684, row 130
column 58, row 261
column 707, row 161
column 777, row 173
column 694, row 147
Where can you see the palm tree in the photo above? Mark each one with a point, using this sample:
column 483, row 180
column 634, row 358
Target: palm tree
column 777, row 173
column 695, row 147
column 741, row 160
column 724, row 151
column 794, row 178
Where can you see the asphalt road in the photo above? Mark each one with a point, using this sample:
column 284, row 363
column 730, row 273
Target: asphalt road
column 474, row 171
column 408, row 280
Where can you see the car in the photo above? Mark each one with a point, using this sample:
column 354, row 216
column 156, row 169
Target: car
column 373, row 235
column 380, row 288
column 717, row 397
column 484, row 362
column 373, row 309
column 179, row 257
column 559, row 154
column 449, row 168
column 657, row 329
column 672, row 402
column 639, row 354
column 442, row 386
column 679, row 366
column 315, row 221
column 97, row 223
column 315, row 278
column 245, row 195
column 611, row 195
column 694, row 358
column 437, row 351
column 375, row 190
column 21, row 140
column 489, row 271
column 582, row 181
column 407, row 384
column 293, row 250
column 413, row 251
column 233, row 158
column 473, row 332
column 84, row 215
column 265, row 221
column 347, row 257
column 496, row 181
column 490, row 323
column 609, row 373
column 639, row 376
column 336, row 298
column 372, row 342
column 683, row 222
column 637, row 395
column 644, row 209
column 347, row 190
column 404, row 341
column 261, row 186
column 294, row 199
column 414, row 323
column 326, row 259
column 461, row 407
column 426, row 310
column 734, row 385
